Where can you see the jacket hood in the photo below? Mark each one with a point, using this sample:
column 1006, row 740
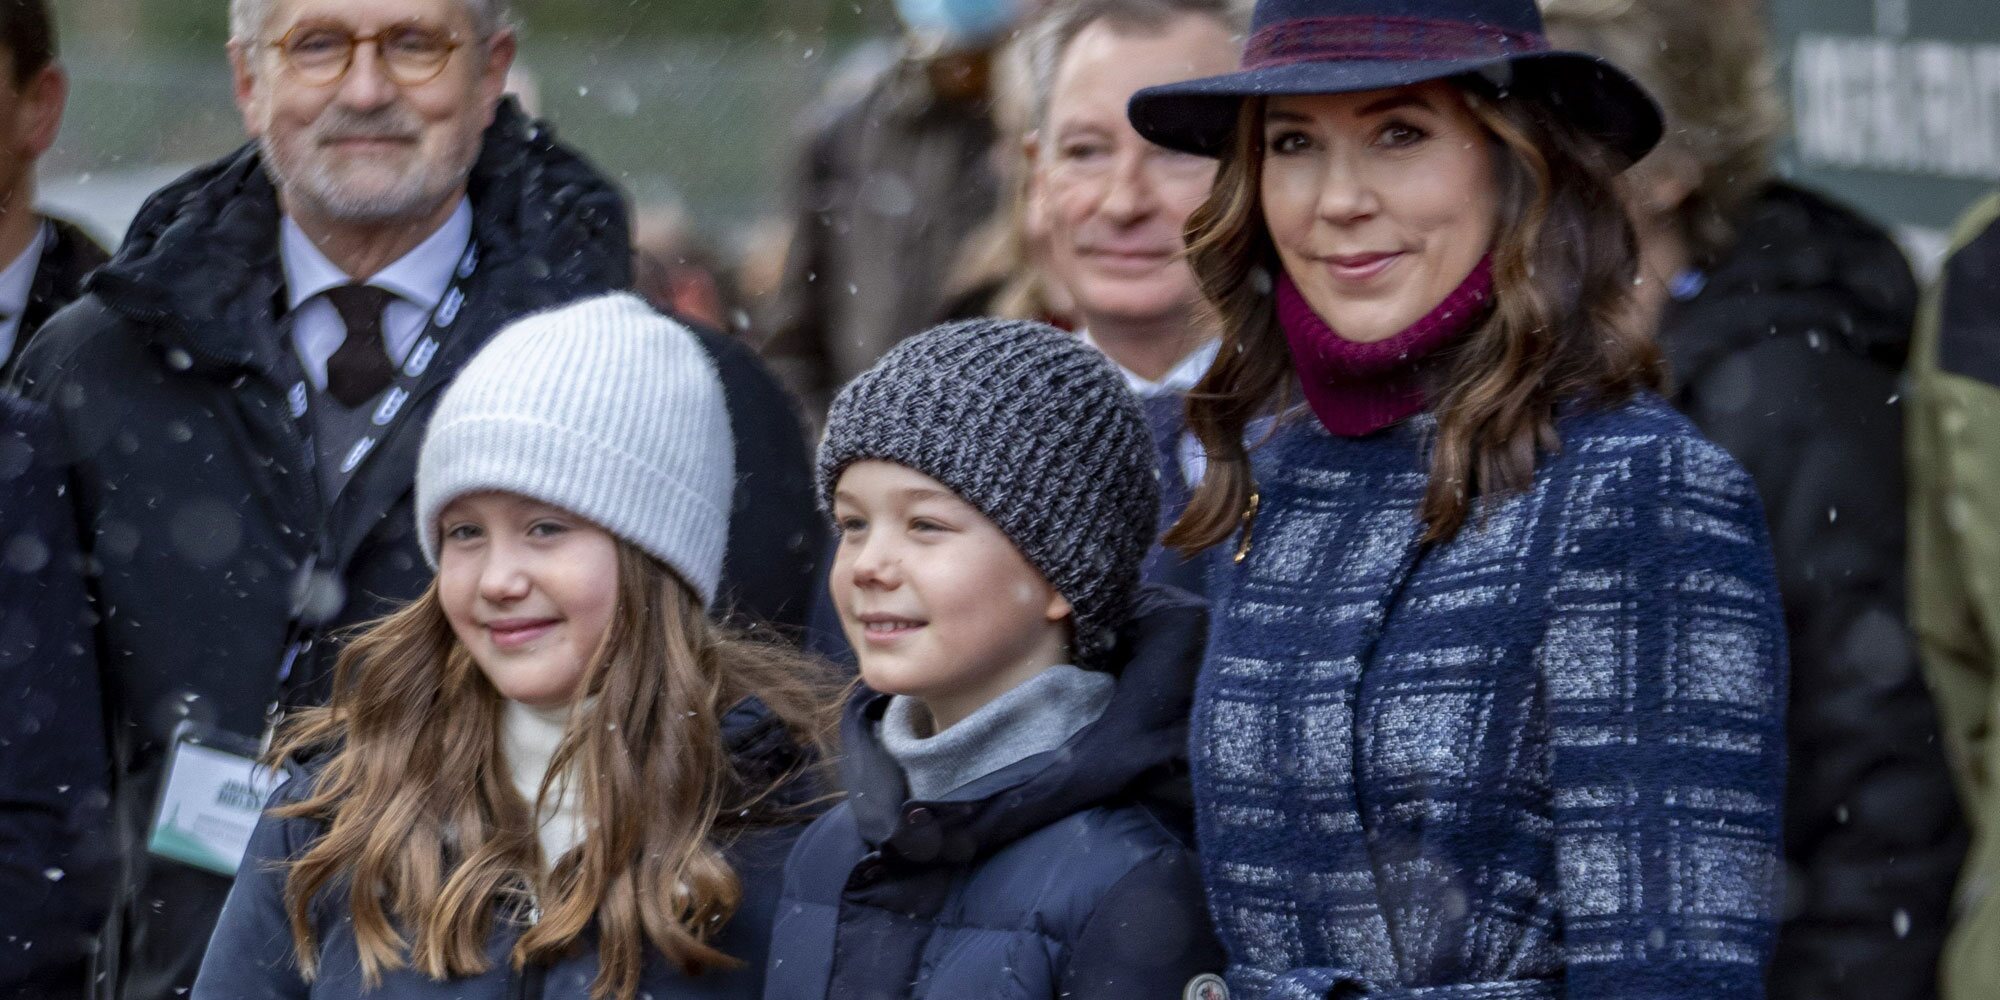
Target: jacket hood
column 1135, row 752
column 200, row 262
column 1802, row 266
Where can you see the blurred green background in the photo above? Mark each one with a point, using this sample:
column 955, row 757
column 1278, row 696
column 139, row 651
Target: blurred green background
column 693, row 102
column 203, row 21
column 701, row 103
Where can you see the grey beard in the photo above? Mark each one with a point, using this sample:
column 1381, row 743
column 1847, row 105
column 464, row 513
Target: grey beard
column 313, row 184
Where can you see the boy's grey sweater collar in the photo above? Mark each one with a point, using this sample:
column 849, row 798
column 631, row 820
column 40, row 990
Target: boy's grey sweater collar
column 1038, row 716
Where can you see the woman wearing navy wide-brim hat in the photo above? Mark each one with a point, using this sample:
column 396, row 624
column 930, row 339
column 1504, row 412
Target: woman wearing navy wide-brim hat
column 1493, row 700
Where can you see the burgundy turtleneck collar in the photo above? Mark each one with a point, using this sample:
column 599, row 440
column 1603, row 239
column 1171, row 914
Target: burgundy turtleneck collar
column 1357, row 389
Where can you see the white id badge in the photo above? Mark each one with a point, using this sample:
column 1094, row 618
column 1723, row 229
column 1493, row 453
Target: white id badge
column 210, row 802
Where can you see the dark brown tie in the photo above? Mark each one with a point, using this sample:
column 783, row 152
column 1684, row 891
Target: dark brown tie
column 361, row 367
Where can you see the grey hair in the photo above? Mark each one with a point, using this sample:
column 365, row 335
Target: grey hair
column 1044, row 43
column 248, row 17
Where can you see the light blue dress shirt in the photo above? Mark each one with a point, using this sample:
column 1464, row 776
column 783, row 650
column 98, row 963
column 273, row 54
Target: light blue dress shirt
column 418, row 280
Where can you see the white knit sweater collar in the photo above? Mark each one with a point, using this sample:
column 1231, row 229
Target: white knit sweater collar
column 529, row 737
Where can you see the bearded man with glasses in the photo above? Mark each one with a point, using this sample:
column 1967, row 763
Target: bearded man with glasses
column 239, row 396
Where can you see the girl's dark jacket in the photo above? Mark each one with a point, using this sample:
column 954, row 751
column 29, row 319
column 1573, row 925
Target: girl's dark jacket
column 251, row 956
column 1068, row 874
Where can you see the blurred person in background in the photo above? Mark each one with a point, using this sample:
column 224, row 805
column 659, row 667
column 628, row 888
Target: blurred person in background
column 885, row 193
column 1785, row 320
column 240, row 395
column 1000, row 267
column 57, row 855
column 1955, row 565
column 43, row 261
column 677, row 269
column 56, row 852
column 1113, row 205
column 760, row 264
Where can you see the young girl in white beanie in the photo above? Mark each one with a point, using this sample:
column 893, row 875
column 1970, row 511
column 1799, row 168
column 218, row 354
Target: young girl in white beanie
column 551, row 774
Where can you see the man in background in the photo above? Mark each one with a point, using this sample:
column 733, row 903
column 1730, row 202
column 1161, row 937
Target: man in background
column 1112, row 207
column 885, row 193
column 43, row 261
column 56, row 855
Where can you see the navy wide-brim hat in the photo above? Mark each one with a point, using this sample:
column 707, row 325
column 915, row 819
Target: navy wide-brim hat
column 1347, row 46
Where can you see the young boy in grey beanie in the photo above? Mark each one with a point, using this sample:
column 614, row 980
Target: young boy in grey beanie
column 1016, row 822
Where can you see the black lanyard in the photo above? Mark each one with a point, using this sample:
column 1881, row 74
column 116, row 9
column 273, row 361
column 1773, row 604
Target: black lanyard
column 391, row 405
column 391, row 409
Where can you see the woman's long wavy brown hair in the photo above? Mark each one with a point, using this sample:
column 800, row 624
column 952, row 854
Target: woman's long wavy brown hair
column 430, row 842
column 1564, row 259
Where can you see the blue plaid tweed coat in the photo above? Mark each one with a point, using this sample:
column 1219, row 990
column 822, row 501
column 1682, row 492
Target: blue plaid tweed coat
column 1541, row 760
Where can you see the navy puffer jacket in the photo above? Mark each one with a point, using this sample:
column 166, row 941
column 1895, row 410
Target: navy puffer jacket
column 1068, row 874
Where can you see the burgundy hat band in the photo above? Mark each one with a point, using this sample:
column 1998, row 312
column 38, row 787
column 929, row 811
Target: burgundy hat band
column 1410, row 39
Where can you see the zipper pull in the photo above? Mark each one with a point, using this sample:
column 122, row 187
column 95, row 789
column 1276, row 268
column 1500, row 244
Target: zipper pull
column 274, row 713
column 1249, row 524
column 274, row 716
column 289, row 664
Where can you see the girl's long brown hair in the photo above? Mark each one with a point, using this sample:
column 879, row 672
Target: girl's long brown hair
column 430, row 842
column 1564, row 259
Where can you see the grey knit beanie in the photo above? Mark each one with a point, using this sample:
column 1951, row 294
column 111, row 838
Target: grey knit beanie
column 604, row 408
column 1035, row 429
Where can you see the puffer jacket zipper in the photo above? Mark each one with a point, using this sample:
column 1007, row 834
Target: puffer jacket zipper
column 530, row 982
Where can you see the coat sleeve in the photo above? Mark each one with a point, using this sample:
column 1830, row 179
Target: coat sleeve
column 250, row 956
column 1147, row 937
column 1955, row 559
column 1955, row 524
column 1667, row 757
column 1873, row 836
column 58, row 862
column 1802, row 386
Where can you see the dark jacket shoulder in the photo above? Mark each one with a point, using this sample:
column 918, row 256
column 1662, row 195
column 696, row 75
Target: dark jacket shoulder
column 1802, row 267
column 68, row 257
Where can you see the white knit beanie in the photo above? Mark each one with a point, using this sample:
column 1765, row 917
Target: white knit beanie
column 604, row 408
